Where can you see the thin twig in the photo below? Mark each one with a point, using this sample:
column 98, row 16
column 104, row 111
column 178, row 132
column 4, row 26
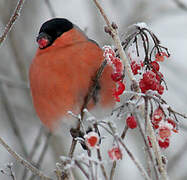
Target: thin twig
column 147, row 146
column 11, row 118
column 90, row 94
column 180, row 4
column 81, row 168
column 43, row 152
column 155, row 146
column 22, row 161
column 113, row 170
column 12, row 20
column 115, row 37
column 51, row 10
column 33, row 150
column 101, row 165
column 115, row 163
column 120, row 141
column 138, row 165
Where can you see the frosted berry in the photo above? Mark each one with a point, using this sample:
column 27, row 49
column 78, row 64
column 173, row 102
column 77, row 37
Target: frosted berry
column 131, row 122
column 92, row 139
column 115, row 153
column 135, row 67
column 164, row 132
column 117, row 76
column 119, row 90
column 164, row 143
column 160, row 89
column 160, row 56
column 157, row 115
column 155, row 66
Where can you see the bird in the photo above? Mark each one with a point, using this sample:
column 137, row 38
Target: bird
column 62, row 71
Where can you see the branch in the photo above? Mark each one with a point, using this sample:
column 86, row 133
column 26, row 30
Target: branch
column 51, row 10
column 90, row 94
column 11, row 119
column 154, row 142
column 12, row 20
column 25, row 163
column 114, row 34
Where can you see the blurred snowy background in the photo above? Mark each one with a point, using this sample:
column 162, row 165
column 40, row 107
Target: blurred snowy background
column 167, row 19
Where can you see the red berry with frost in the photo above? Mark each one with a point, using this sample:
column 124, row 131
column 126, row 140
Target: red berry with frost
column 115, row 153
column 159, row 76
column 157, row 115
column 92, row 139
column 131, row 122
column 118, row 66
column 135, row 67
column 164, row 132
column 164, row 143
column 160, row 89
column 117, row 76
column 119, row 90
column 160, row 56
column 172, row 122
column 155, row 66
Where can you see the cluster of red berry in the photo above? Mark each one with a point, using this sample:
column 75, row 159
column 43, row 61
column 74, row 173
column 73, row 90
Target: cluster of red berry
column 151, row 79
column 117, row 75
column 163, row 127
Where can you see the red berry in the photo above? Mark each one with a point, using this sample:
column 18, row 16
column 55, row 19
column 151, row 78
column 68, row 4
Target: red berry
column 160, row 56
column 143, row 86
column 118, row 66
column 164, row 132
column 155, row 66
column 172, row 122
column 149, row 76
column 157, row 116
column 119, row 91
column 116, row 76
column 92, row 139
column 160, row 89
column 135, row 67
column 115, row 153
column 159, row 76
column 164, row 143
column 131, row 122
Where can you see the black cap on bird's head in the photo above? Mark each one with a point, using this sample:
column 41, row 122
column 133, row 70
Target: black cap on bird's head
column 51, row 30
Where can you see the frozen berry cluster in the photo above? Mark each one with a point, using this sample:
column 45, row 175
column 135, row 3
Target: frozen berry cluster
column 117, row 75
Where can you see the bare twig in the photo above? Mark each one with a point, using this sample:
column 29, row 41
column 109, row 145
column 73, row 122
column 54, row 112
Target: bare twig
column 135, row 161
column 90, row 94
column 33, row 150
column 101, row 165
column 25, row 163
column 51, row 10
column 43, row 152
column 11, row 118
column 180, row 4
column 155, row 146
column 115, row 37
column 13, row 83
column 10, row 172
column 13, row 18
column 115, row 163
column 113, row 170
column 138, row 165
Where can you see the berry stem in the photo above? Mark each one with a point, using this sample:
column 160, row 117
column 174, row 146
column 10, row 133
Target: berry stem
column 154, row 142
